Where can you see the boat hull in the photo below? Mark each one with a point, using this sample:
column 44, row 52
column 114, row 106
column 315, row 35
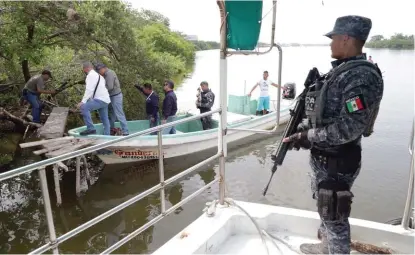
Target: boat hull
column 176, row 145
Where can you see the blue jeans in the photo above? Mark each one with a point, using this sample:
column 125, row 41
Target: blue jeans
column 153, row 124
column 116, row 112
column 170, row 130
column 102, row 107
column 34, row 101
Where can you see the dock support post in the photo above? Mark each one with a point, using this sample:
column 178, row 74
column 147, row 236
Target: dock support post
column 87, row 175
column 57, row 184
column 78, row 176
column 161, row 173
column 48, row 208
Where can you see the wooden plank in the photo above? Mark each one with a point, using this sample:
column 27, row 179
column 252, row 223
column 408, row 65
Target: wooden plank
column 53, row 148
column 54, row 126
column 71, row 148
column 36, row 143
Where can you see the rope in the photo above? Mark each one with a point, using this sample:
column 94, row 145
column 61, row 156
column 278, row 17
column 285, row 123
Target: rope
column 267, row 12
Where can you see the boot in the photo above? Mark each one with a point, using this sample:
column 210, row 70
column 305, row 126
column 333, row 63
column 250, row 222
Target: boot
column 316, row 248
column 258, row 113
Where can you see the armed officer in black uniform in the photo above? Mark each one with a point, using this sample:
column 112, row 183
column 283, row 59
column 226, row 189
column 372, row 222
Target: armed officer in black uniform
column 340, row 109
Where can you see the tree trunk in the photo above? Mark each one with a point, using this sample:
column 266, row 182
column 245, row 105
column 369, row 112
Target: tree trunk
column 25, row 63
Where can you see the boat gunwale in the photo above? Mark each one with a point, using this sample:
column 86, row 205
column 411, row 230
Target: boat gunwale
column 179, row 135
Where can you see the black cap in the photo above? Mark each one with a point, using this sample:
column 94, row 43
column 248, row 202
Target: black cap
column 99, row 66
column 47, row 72
column 355, row 26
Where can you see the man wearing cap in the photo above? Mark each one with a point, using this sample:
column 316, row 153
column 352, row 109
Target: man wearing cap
column 96, row 97
column 207, row 98
column 169, row 107
column 342, row 107
column 115, row 109
column 32, row 90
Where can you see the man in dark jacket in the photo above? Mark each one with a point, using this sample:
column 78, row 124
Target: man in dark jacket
column 169, row 107
column 207, row 98
column 152, row 104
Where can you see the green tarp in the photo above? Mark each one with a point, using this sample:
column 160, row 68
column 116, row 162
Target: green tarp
column 243, row 24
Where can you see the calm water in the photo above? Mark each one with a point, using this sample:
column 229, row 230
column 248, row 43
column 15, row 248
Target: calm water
column 379, row 191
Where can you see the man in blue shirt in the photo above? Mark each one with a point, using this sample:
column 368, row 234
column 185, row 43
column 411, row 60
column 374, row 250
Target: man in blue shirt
column 152, row 104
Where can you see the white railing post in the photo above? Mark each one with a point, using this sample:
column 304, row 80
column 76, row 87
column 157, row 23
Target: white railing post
column 161, row 173
column 223, row 96
column 48, row 208
column 410, row 195
column 279, row 81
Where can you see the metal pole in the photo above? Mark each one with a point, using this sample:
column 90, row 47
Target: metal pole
column 48, row 208
column 279, row 81
column 223, row 102
column 161, row 173
column 409, row 197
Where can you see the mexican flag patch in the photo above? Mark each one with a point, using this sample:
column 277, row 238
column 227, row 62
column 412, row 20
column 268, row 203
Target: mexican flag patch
column 355, row 104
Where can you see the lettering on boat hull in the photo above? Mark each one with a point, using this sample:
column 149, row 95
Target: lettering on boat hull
column 129, row 153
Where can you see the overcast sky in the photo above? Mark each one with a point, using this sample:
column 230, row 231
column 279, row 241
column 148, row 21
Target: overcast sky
column 297, row 20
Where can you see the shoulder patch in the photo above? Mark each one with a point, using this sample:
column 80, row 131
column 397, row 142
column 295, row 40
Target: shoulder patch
column 355, row 103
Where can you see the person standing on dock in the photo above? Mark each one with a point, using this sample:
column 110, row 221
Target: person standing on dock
column 342, row 107
column 32, row 90
column 152, row 104
column 96, row 97
column 116, row 111
column 169, row 107
column 263, row 102
column 207, row 99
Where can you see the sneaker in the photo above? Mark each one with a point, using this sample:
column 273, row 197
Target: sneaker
column 88, row 132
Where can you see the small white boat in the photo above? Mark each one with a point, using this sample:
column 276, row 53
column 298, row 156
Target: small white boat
column 190, row 136
column 252, row 228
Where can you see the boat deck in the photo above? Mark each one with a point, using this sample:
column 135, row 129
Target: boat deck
column 231, row 231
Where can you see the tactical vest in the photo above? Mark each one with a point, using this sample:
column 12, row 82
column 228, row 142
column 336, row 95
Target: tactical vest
column 316, row 98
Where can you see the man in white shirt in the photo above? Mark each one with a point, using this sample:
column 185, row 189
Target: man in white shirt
column 96, row 97
column 263, row 102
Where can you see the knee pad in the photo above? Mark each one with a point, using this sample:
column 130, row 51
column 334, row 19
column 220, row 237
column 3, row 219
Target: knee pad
column 334, row 201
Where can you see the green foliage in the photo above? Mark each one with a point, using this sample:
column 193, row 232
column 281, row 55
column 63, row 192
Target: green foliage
column 206, row 45
column 59, row 35
column 398, row 41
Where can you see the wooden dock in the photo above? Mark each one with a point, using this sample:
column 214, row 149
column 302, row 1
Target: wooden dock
column 54, row 126
column 54, row 144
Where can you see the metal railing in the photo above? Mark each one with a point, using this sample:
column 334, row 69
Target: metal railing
column 41, row 165
column 410, row 195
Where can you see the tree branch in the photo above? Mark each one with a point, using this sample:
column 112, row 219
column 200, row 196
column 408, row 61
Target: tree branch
column 8, row 116
column 56, row 34
column 108, row 47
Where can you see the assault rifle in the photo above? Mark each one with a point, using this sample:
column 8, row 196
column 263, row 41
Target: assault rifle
column 297, row 116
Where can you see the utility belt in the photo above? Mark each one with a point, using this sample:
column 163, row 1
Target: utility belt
column 334, row 195
column 345, row 161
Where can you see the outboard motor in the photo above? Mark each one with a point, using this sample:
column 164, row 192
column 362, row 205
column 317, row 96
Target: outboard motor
column 289, row 91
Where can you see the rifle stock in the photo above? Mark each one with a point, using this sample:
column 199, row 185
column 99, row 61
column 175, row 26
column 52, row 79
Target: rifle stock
column 297, row 115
